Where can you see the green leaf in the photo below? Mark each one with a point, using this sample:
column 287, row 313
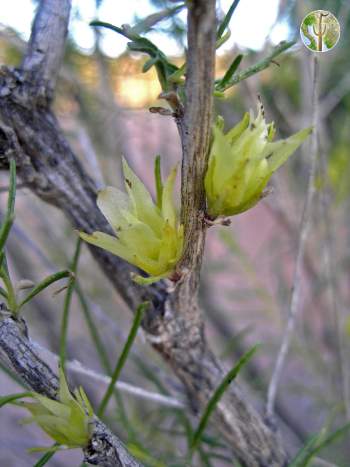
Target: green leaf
column 66, row 305
column 158, row 179
column 12, row 191
column 259, row 66
column 176, row 77
column 9, row 216
column 123, row 357
column 47, row 456
column 231, row 375
column 227, row 19
column 140, row 44
column 144, row 455
column 11, row 294
column 13, row 397
column 148, row 65
column 103, row 356
column 229, row 73
column 44, row 284
column 223, row 39
column 48, row 450
column 299, row 459
column 147, row 23
column 315, row 445
column 3, row 293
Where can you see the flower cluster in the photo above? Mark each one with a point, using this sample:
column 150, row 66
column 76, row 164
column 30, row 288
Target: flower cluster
column 147, row 234
column 242, row 161
column 65, row 420
column 150, row 236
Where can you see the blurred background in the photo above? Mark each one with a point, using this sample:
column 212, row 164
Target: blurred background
column 102, row 103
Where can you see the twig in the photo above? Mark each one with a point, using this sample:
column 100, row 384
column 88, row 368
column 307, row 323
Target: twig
column 330, row 273
column 335, row 96
column 5, row 189
column 18, row 353
column 304, row 228
column 182, row 331
column 260, row 66
column 122, row 359
column 77, row 367
column 195, row 129
column 322, row 463
column 90, row 156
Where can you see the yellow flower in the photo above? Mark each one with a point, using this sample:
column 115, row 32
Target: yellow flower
column 242, row 161
column 147, row 235
column 65, row 420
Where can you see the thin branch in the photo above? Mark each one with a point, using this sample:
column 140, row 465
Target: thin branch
column 77, row 367
column 90, row 156
column 260, row 66
column 46, row 45
column 18, row 353
column 181, row 333
column 5, row 189
column 322, row 463
column 330, row 275
column 304, row 228
column 335, row 96
column 195, row 128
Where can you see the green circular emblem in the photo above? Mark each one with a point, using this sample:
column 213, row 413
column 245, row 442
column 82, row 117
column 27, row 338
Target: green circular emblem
column 320, row 31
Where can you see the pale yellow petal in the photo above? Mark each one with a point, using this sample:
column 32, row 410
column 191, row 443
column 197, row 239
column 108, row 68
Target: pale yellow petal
column 112, row 202
column 54, row 407
column 168, row 206
column 141, row 240
column 64, row 394
column 145, row 210
column 109, row 243
column 238, row 129
column 277, row 153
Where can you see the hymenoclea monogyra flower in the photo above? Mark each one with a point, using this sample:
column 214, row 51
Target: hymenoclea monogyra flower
column 147, row 234
column 242, row 161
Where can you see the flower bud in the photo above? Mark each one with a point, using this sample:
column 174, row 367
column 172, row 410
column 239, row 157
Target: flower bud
column 147, row 235
column 242, row 161
column 66, row 420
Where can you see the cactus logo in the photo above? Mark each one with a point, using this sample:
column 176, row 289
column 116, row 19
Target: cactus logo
column 320, row 31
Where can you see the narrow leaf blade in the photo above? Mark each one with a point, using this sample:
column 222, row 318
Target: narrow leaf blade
column 227, row 19
column 13, row 397
column 44, row 284
column 231, row 375
column 230, row 72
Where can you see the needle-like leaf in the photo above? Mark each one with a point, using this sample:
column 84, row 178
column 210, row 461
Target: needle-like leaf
column 231, row 375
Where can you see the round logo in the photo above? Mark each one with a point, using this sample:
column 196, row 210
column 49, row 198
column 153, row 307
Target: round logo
column 320, row 31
